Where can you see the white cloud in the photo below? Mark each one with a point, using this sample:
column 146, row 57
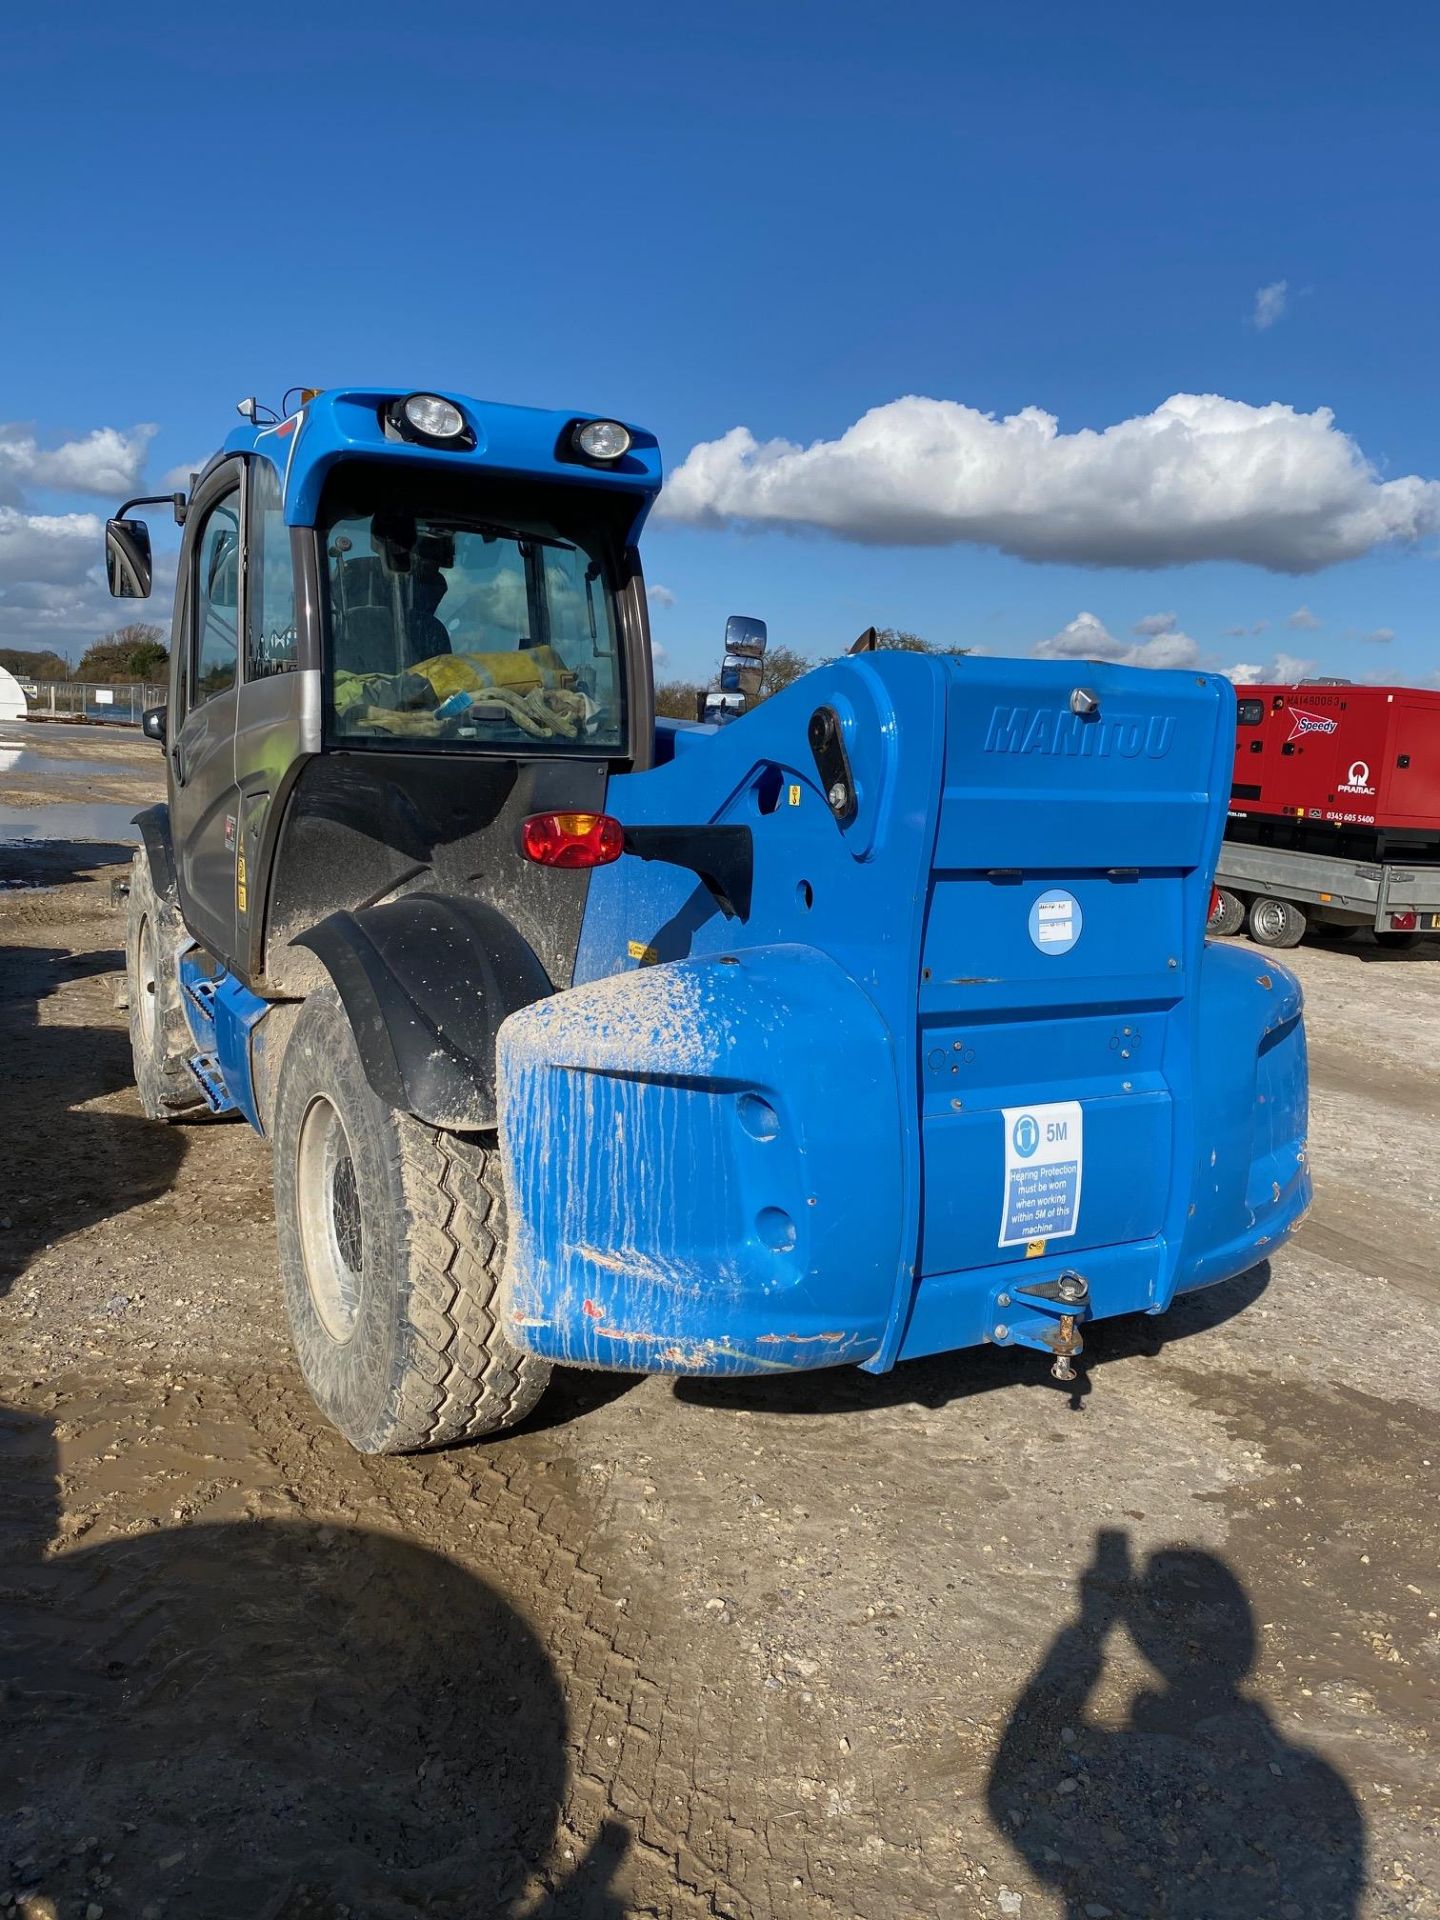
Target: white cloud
column 1302, row 620
column 659, row 596
column 1200, row 478
column 1284, row 670
column 658, row 654
column 1270, row 304
column 1380, row 637
column 54, row 548
column 1088, row 638
column 1287, row 666
column 1153, row 623
column 71, row 607
column 177, row 479
column 104, row 461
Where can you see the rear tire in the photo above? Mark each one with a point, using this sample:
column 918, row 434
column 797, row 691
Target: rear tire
column 160, row 1040
column 392, row 1238
column 1276, row 923
column 1229, row 914
column 1396, row 942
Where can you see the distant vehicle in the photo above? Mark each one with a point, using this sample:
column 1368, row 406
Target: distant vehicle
column 876, row 1022
column 1334, row 814
column 13, row 702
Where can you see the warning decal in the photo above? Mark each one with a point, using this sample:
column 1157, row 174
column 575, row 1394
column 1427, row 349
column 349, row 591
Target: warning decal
column 1044, row 1159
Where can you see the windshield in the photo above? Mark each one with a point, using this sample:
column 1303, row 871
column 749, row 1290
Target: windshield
column 450, row 629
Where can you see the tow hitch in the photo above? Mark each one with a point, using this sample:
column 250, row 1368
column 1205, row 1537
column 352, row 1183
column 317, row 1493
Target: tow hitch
column 1070, row 1292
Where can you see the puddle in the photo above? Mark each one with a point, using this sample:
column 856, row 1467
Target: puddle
column 22, row 760
column 68, row 822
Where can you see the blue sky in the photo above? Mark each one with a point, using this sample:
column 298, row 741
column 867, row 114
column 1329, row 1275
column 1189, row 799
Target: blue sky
column 778, row 217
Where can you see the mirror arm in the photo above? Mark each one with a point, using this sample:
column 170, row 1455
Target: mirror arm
column 177, row 502
column 723, row 858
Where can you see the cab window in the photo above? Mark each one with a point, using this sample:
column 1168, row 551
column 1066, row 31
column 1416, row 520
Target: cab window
column 216, row 597
column 270, row 645
column 494, row 627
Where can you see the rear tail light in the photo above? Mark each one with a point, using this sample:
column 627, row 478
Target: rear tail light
column 1403, row 922
column 572, row 839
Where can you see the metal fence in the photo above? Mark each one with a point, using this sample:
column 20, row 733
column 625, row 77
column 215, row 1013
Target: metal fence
column 116, row 703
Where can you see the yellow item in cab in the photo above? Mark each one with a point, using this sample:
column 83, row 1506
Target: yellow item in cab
column 521, row 671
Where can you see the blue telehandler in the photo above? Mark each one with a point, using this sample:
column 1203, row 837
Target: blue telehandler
column 876, row 1022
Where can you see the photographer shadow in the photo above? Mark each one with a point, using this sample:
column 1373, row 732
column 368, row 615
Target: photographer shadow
column 1198, row 1807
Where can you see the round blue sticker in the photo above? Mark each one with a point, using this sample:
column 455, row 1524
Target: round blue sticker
column 1026, row 1135
column 1056, row 921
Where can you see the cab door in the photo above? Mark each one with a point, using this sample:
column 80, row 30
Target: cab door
column 204, row 798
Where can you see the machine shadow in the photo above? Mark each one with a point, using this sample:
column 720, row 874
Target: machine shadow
column 1194, row 1805
column 66, row 1166
column 274, row 1719
column 935, row 1382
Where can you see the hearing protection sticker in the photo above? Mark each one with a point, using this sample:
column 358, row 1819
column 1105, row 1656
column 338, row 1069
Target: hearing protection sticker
column 1044, row 1159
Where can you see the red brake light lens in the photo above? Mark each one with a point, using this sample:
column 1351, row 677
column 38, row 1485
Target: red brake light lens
column 572, row 839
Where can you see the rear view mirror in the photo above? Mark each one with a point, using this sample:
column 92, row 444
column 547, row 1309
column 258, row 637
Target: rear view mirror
column 721, row 708
column 745, row 636
column 127, row 559
column 739, row 675
column 152, row 724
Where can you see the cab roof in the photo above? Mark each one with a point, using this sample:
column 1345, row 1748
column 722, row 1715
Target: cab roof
column 344, row 423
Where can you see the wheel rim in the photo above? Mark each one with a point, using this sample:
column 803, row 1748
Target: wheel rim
column 332, row 1241
column 1270, row 919
column 149, row 973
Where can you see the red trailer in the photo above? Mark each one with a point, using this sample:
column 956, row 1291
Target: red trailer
column 1334, row 813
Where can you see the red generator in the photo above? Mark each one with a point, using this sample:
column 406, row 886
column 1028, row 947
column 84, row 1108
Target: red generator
column 1334, row 813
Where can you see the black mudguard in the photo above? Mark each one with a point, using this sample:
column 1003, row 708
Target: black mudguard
column 154, row 825
column 425, row 982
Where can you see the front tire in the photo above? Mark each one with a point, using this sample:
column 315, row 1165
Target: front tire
column 1276, row 923
column 392, row 1239
column 160, row 1040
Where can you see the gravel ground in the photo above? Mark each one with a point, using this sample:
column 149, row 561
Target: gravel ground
column 954, row 1641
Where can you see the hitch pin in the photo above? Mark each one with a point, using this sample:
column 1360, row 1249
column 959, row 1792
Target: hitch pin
column 1065, row 1344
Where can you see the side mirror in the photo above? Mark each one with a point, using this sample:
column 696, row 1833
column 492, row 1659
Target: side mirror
column 127, row 559
column 152, row 724
column 745, row 636
column 721, row 708
column 739, row 675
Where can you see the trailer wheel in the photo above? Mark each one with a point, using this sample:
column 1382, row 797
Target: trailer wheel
column 1229, row 914
column 1396, row 942
column 392, row 1238
column 1276, row 923
column 160, row 1042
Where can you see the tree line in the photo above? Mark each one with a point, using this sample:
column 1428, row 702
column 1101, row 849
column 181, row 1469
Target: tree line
column 781, row 667
column 137, row 652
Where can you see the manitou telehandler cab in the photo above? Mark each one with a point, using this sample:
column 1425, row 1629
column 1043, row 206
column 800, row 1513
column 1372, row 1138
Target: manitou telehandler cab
column 876, row 1022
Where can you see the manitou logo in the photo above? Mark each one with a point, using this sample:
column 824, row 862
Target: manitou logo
column 1043, row 730
column 1302, row 722
column 1357, row 780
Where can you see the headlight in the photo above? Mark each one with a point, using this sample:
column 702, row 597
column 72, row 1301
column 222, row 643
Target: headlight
column 602, row 439
column 437, row 419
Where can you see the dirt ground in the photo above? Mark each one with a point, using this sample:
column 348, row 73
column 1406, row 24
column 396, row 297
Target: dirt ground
column 953, row 1641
